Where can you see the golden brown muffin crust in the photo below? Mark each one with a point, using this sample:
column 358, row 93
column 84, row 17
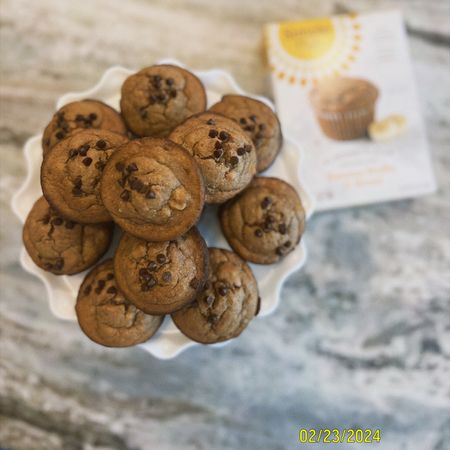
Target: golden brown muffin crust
column 106, row 316
column 227, row 304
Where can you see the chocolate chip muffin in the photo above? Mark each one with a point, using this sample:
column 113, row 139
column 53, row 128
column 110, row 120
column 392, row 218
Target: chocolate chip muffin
column 106, row 316
column 153, row 189
column 77, row 116
column 258, row 121
column 227, row 304
column 61, row 246
column 158, row 98
column 225, row 154
column 71, row 173
column 265, row 222
column 161, row 277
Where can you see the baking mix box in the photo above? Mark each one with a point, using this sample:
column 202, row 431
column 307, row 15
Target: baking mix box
column 344, row 89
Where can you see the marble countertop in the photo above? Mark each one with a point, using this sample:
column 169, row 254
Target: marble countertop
column 361, row 337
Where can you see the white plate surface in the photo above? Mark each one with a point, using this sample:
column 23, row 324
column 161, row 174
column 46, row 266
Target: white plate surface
column 62, row 290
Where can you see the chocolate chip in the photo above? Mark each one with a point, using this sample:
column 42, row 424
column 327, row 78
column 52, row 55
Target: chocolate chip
column 223, row 290
column 170, row 81
column 59, row 264
column 218, row 153
column 280, row 251
column 48, row 266
column 213, row 318
column 59, row 135
column 151, row 281
column 87, row 161
column 287, row 244
column 267, row 201
column 152, row 266
column 101, row 284
column 83, row 149
column 79, row 117
column 97, row 290
column 258, row 306
column 122, row 182
column 218, row 145
column 125, row 195
column 166, row 276
column 92, row 116
column 100, row 165
column 73, row 152
column 209, row 300
column 144, row 273
column 213, row 133
column 234, row 160
column 248, row 148
column 87, row 290
column 240, row 151
column 157, row 78
column 111, row 290
column 258, row 232
column 145, row 288
column 249, row 128
column 207, row 286
column 161, row 258
column 77, row 182
column 150, row 195
column 139, row 185
column 282, row 228
column 77, row 191
column 161, row 97
column 194, row 283
column 153, row 99
column 262, row 126
column 69, row 224
column 270, row 219
column 120, row 166
column 224, row 136
column 46, row 220
column 210, row 122
column 110, row 276
column 135, row 183
column 132, row 167
column 143, row 114
column 259, row 136
column 253, row 118
column 242, row 121
column 101, row 144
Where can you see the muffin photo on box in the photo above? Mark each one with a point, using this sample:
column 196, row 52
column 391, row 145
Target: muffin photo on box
column 344, row 107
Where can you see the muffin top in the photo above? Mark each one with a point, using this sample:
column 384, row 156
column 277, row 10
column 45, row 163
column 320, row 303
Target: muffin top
column 77, row 116
column 106, row 316
column 158, row 98
column 265, row 222
column 224, row 152
column 71, row 174
column 228, row 302
column 61, row 246
column 153, row 189
column 258, row 121
column 343, row 93
column 161, row 277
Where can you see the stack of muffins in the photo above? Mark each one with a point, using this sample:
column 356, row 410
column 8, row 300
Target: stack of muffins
column 150, row 170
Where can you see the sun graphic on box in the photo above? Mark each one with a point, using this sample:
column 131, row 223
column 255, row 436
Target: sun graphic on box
column 306, row 51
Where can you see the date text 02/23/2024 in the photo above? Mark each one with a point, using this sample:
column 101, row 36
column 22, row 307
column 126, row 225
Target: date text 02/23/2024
column 335, row 436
